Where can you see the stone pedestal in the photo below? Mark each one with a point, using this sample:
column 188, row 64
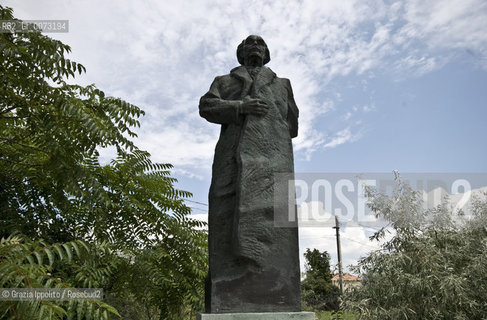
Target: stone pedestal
column 258, row 316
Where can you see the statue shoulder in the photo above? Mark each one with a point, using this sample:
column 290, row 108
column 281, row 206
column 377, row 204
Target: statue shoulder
column 285, row 81
column 220, row 81
column 221, row 78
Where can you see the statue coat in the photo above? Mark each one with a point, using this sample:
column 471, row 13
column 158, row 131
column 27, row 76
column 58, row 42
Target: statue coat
column 254, row 265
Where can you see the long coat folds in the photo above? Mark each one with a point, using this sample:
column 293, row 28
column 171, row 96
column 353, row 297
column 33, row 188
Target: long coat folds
column 254, row 265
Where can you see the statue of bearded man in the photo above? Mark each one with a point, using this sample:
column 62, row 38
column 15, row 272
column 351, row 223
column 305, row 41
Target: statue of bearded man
column 253, row 264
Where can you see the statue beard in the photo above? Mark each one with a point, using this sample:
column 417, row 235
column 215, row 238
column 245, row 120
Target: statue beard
column 254, row 60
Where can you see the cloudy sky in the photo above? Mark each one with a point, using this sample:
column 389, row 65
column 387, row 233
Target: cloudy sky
column 381, row 85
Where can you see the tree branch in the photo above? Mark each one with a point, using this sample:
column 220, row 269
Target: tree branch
column 27, row 146
column 8, row 110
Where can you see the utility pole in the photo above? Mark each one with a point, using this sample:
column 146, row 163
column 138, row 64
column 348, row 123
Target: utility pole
column 339, row 250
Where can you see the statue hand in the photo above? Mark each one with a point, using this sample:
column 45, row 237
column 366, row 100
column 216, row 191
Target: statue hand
column 256, row 107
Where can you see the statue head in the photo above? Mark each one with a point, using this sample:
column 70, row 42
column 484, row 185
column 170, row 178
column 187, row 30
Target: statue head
column 253, row 51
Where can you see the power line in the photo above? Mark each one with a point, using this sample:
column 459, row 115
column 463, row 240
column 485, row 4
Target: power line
column 321, row 237
column 377, row 229
column 198, row 209
column 204, row 204
column 361, row 243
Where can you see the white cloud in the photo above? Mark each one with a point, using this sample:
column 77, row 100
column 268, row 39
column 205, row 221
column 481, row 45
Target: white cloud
column 450, row 24
column 368, row 108
column 187, row 173
column 163, row 56
column 341, row 137
column 355, row 243
column 200, row 217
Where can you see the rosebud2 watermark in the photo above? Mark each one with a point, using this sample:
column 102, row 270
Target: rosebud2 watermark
column 314, row 199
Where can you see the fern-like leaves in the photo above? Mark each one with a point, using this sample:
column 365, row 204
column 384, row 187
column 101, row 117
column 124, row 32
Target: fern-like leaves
column 30, row 264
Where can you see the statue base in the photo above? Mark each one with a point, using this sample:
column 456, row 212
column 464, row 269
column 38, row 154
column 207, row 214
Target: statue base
column 258, row 316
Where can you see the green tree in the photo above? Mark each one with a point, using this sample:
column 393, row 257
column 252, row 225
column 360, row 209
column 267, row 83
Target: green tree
column 434, row 267
column 53, row 188
column 32, row 264
column 318, row 292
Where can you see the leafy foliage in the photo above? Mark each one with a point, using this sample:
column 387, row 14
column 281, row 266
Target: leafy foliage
column 172, row 274
column 50, row 133
column 318, row 292
column 53, row 188
column 30, row 264
column 433, row 267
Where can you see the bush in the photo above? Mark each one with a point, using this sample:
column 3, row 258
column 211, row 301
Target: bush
column 433, row 267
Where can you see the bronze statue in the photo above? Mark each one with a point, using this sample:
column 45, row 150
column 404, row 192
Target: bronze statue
column 254, row 265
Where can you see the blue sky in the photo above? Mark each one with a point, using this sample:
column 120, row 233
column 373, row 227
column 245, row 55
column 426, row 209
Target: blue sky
column 381, row 85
